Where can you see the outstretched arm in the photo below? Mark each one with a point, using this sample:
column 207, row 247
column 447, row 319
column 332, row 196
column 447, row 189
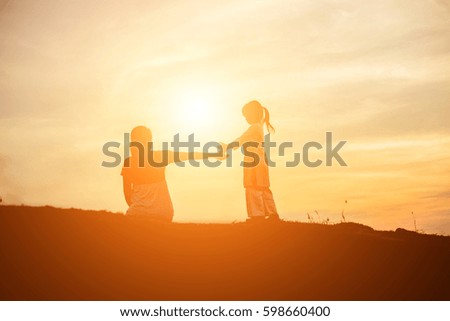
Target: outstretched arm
column 233, row 145
column 245, row 137
column 185, row 156
column 166, row 157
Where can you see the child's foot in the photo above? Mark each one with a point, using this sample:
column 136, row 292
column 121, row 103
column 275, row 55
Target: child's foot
column 255, row 219
column 273, row 218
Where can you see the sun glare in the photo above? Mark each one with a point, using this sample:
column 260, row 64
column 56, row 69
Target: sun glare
column 196, row 107
column 197, row 111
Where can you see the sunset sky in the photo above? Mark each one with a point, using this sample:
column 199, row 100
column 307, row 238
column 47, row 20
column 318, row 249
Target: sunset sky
column 77, row 74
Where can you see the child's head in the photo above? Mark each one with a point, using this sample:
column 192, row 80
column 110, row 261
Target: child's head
column 141, row 134
column 255, row 113
column 140, row 137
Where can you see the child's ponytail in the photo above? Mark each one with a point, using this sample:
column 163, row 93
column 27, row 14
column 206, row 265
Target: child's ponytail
column 267, row 120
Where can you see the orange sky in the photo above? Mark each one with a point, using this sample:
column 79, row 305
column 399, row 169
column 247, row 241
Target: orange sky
column 75, row 75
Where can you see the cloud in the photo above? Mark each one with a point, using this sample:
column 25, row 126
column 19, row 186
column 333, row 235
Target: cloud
column 442, row 194
column 10, row 191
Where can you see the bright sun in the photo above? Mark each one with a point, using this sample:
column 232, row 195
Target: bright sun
column 196, row 107
column 199, row 108
column 197, row 111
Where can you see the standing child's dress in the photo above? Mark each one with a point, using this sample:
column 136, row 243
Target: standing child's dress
column 259, row 198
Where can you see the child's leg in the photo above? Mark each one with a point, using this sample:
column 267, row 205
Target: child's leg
column 255, row 202
column 269, row 203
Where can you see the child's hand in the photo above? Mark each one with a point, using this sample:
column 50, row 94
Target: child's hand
column 224, row 152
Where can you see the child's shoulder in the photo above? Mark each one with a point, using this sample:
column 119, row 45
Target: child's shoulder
column 127, row 161
column 131, row 161
column 256, row 127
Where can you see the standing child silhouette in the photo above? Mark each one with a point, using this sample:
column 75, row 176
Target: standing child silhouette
column 258, row 196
